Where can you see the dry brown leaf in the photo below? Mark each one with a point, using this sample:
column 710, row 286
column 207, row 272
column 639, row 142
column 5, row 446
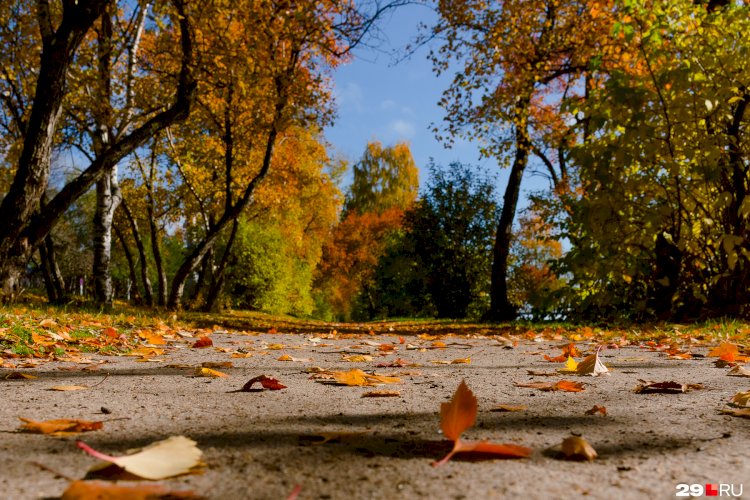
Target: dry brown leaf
column 670, row 387
column 509, row 408
column 597, row 409
column 577, row 448
column 741, row 399
column 19, row 376
column 68, row 388
column 382, row 394
column 592, row 365
column 60, row 427
column 203, row 342
column 739, row 371
column 170, row 457
column 99, row 490
column 744, row 412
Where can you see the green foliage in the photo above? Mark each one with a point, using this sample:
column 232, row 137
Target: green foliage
column 384, row 178
column 266, row 275
column 659, row 226
column 441, row 263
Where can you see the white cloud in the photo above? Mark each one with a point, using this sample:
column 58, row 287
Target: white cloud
column 349, row 95
column 402, row 128
column 387, row 104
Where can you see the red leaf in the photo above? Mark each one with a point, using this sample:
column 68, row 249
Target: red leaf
column 266, row 382
column 203, row 342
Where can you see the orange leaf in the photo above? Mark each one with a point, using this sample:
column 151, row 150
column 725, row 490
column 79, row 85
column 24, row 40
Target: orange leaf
column 208, row 372
column 725, row 348
column 485, row 449
column 459, row 414
column 597, row 409
column 562, row 385
column 59, row 427
column 577, row 448
column 87, row 490
column 203, row 342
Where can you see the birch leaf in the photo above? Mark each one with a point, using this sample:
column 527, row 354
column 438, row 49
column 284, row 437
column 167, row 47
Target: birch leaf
column 171, row 457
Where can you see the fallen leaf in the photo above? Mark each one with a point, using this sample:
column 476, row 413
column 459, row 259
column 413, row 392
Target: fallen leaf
column 568, row 350
column 275, row 347
column 543, row 374
column 591, row 365
column 171, row 457
column 60, row 427
column 561, row 385
column 509, row 408
column 208, row 372
column 459, row 414
column 99, row 490
column 744, row 413
column 741, row 399
column 670, row 387
column 203, row 342
column 146, row 351
column 739, row 371
column 356, row 358
column 461, row 361
column 597, row 409
column 571, row 366
column 725, row 348
column 577, row 448
column 327, row 437
column 68, row 388
column 358, row 378
column 19, row 376
column 266, row 382
column 217, row 364
column 382, row 394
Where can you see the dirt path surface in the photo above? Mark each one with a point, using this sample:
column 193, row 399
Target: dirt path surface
column 262, row 445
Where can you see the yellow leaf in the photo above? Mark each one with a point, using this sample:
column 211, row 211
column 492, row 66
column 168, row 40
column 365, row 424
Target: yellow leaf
column 60, row 427
column 741, row 399
column 461, row 361
column 459, row 414
column 571, row 365
column 67, row 388
column 357, row 358
column 168, row 458
column 352, row 377
column 208, row 372
column 577, row 448
column 284, row 357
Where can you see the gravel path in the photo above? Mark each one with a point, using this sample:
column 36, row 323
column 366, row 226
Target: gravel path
column 262, row 445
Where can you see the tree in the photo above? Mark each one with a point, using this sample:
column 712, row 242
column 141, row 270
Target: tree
column 384, row 178
column 521, row 61
column 452, row 229
column 659, row 227
column 61, row 36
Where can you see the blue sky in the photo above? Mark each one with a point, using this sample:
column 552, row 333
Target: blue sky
column 381, row 99
column 378, row 99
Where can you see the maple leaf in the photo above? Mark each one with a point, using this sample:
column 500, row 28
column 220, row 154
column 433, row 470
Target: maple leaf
column 60, row 427
column 170, row 457
column 577, row 448
column 88, row 490
column 266, row 382
column 459, row 414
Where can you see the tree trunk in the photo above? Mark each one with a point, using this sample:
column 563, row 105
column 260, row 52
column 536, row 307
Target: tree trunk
column 161, row 274
column 131, row 264
column 500, row 307
column 217, row 282
column 53, row 280
column 202, row 281
column 107, row 199
column 148, row 291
